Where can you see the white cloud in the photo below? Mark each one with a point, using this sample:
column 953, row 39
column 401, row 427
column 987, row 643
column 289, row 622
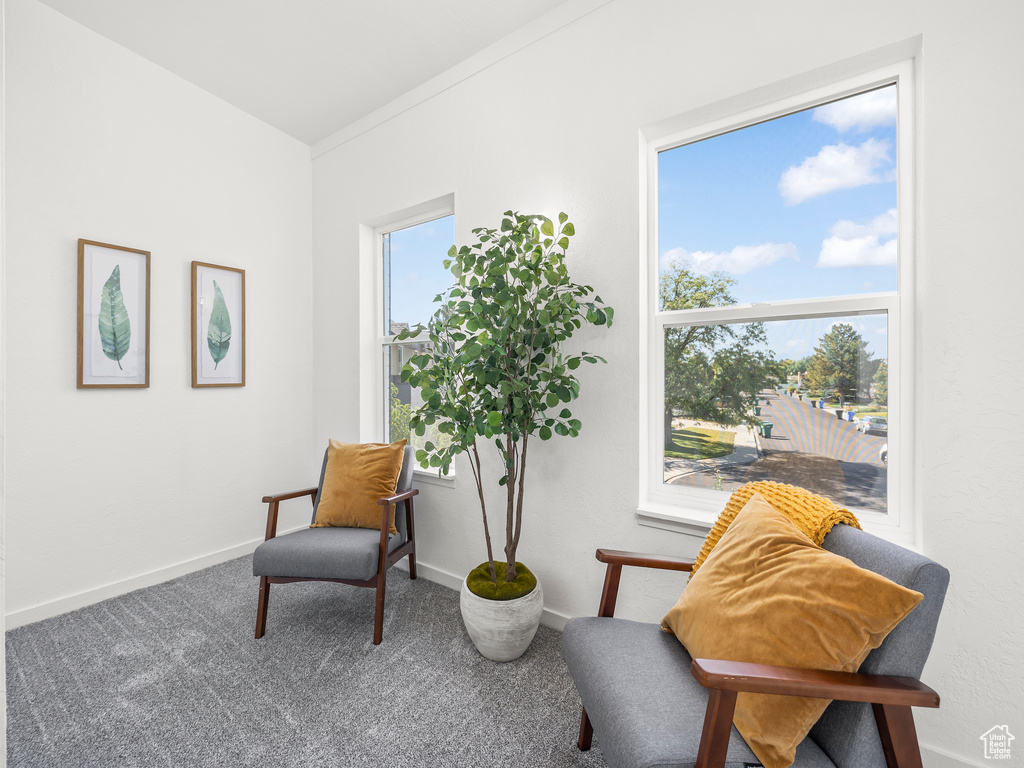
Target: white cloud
column 836, row 166
column 740, row 259
column 861, row 245
column 863, row 112
column 884, row 224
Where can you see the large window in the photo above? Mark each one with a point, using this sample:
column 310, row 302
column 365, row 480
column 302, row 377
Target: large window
column 777, row 341
column 411, row 259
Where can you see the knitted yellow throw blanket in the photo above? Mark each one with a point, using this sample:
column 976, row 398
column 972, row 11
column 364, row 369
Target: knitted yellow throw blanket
column 812, row 514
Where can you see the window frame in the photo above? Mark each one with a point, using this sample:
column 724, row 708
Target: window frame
column 373, row 404
column 694, row 510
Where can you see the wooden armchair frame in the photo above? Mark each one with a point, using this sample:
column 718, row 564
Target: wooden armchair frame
column 891, row 698
column 385, row 559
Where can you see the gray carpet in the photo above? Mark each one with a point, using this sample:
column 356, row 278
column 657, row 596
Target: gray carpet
column 171, row 676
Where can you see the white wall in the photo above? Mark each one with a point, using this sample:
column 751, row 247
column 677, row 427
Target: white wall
column 3, row 398
column 111, row 489
column 555, row 127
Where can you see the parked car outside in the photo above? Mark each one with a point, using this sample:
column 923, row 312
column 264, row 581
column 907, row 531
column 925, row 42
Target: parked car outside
column 873, row 424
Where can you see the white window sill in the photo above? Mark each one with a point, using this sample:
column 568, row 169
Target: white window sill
column 692, row 522
column 429, row 477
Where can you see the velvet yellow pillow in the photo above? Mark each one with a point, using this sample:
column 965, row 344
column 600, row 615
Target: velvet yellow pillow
column 356, row 476
column 768, row 595
column 814, row 515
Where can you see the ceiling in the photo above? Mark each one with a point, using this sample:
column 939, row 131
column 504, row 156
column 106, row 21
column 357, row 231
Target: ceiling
column 307, row 67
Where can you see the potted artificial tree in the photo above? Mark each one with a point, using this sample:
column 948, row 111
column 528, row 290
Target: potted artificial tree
column 495, row 372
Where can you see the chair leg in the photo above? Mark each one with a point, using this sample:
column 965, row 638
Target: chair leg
column 898, row 735
column 586, row 732
column 411, row 532
column 714, row 740
column 378, row 618
column 262, row 603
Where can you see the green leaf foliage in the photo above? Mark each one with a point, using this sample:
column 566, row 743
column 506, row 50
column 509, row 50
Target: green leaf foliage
column 712, row 372
column 115, row 327
column 494, row 367
column 218, row 335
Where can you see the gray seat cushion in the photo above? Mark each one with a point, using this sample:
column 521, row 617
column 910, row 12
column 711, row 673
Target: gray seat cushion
column 647, row 709
column 322, row 553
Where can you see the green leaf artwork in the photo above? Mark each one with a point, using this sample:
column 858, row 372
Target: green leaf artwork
column 218, row 337
column 115, row 328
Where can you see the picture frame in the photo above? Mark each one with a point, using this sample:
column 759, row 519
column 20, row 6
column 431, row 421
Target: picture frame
column 218, row 325
column 113, row 316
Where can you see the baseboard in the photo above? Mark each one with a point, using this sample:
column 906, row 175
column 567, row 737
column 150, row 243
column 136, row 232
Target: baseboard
column 97, row 594
column 933, row 757
column 445, row 578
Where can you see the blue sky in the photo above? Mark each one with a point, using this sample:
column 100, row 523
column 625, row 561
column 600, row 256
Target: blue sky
column 799, row 207
column 417, row 272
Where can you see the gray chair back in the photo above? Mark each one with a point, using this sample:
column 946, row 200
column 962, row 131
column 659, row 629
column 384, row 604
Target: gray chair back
column 404, row 483
column 847, row 731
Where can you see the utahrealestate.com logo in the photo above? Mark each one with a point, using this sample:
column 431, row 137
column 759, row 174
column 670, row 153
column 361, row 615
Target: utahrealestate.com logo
column 997, row 742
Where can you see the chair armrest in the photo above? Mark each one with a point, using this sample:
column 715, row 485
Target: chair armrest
column 665, row 562
column 891, row 699
column 385, row 505
column 398, row 497
column 616, row 559
column 289, row 495
column 276, row 499
column 816, row 683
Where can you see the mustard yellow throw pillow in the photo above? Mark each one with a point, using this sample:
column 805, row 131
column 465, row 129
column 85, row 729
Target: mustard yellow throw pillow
column 768, row 595
column 357, row 475
column 814, row 515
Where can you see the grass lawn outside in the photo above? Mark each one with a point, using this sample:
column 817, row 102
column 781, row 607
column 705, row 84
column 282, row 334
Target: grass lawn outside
column 873, row 410
column 695, row 443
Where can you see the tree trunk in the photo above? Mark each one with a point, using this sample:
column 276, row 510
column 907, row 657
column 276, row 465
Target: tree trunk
column 474, row 463
column 521, row 472
column 510, row 488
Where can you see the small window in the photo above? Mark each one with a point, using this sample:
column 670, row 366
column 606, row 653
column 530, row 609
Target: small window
column 779, row 266
column 413, row 274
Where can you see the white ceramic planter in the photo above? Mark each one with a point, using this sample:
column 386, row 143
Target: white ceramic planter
column 501, row 630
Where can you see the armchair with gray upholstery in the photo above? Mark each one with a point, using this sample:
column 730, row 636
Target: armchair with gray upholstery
column 355, row 556
column 650, row 704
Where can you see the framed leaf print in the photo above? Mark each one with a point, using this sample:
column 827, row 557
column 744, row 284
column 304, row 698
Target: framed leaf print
column 218, row 326
column 113, row 316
